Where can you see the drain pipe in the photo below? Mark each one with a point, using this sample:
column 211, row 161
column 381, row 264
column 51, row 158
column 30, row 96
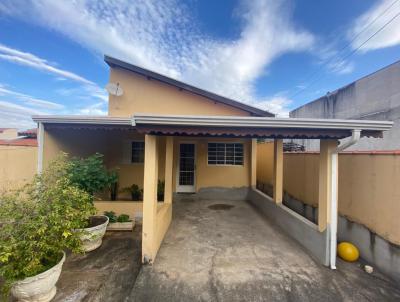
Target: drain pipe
column 355, row 137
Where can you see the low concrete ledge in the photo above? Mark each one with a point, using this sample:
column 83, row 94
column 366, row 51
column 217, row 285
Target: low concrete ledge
column 216, row 193
column 295, row 225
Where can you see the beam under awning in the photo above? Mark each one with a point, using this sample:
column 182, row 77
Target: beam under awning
column 256, row 127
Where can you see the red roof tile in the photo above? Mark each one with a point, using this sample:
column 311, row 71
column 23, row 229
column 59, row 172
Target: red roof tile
column 28, row 142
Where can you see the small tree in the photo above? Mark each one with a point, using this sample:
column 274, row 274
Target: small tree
column 90, row 174
column 38, row 223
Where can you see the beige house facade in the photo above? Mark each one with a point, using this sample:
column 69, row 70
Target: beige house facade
column 201, row 144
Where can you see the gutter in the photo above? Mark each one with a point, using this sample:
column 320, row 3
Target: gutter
column 355, row 137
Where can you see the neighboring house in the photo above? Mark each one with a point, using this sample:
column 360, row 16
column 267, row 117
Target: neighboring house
column 369, row 171
column 373, row 97
column 199, row 143
column 18, row 158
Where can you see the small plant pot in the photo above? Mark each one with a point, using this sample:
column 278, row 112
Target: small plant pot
column 121, row 226
column 92, row 236
column 39, row 288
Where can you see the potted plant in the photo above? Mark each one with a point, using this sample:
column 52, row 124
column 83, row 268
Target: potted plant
column 119, row 223
column 37, row 224
column 135, row 192
column 113, row 185
column 91, row 175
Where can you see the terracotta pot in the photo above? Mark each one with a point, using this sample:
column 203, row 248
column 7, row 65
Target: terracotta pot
column 92, row 237
column 39, row 288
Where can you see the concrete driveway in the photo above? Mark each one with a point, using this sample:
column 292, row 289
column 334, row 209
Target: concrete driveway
column 226, row 251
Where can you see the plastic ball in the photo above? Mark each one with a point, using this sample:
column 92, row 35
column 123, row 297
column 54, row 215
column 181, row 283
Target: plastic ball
column 348, row 251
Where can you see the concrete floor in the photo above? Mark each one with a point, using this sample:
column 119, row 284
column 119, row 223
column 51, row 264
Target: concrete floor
column 106, row 274
column 218, row 253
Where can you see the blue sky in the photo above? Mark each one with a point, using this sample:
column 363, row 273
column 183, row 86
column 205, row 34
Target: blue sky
column 274, row 54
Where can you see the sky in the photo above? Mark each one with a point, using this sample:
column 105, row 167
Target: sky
column 273, row 54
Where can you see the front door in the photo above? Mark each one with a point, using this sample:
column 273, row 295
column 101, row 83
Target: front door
column 187, row 167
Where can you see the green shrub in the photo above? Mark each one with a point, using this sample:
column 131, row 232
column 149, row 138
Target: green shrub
column 111, row 216
column 37, row 223
column 90, row 174
column 123, row 218
column 113, row 185
column 135, row 191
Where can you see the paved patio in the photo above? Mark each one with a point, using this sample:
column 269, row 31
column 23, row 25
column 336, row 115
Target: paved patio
column 106, row 274
column 226, row 251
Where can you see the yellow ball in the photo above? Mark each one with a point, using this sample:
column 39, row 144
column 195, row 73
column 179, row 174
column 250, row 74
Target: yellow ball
column 348, row 251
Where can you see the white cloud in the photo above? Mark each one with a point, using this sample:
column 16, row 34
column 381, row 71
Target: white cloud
column 28, row 59
column 389, row 36
column 277, row 104
column 31, row 60
column 16, row 116
column 95, row 109
column 162, row 36
column 30, row 100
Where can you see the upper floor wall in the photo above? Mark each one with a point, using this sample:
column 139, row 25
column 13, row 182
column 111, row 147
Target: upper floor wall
column 143, row 95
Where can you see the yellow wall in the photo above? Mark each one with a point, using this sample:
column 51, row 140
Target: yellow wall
column 369, row 190
column 119, row 207
column 215, row 176
column 151, row 96
column 110, row 143
column 265, row 162
column 18, row 165
column 9, row 133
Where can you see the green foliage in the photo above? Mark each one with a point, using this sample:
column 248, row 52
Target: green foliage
column 135, row 191
column 160, row 190
column 113, row 184
column 90, row 174
column 38, row 223
column 123, row 218
column 111, row 216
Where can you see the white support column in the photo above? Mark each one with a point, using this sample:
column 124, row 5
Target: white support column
column 328, row 195
column 334, row 209
column 40, row 139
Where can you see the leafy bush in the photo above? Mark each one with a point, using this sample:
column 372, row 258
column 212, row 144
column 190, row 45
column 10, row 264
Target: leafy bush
column 38, row 222
column 90, row 174
column 111, row 216
column 123, row 218
column 113, row 185
column 135, row 191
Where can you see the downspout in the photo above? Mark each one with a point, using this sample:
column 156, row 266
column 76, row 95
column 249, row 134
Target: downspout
column 355, row 137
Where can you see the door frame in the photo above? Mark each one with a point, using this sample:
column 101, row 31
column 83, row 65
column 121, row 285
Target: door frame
column 186, row 189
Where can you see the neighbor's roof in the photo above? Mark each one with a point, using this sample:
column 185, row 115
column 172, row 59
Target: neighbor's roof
column 224, row 125
column 29, row 132
column 112, row 62
column 26, row 142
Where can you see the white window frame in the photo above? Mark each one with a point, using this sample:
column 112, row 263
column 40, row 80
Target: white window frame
column 127, row 154
column 131, row 151
column 226, row 165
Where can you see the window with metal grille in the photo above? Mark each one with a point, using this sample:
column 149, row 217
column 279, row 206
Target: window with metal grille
column 225, row 154
column 137, row 152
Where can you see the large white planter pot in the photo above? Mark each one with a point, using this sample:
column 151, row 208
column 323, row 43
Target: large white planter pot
column 92, row 237
column 39, row 288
